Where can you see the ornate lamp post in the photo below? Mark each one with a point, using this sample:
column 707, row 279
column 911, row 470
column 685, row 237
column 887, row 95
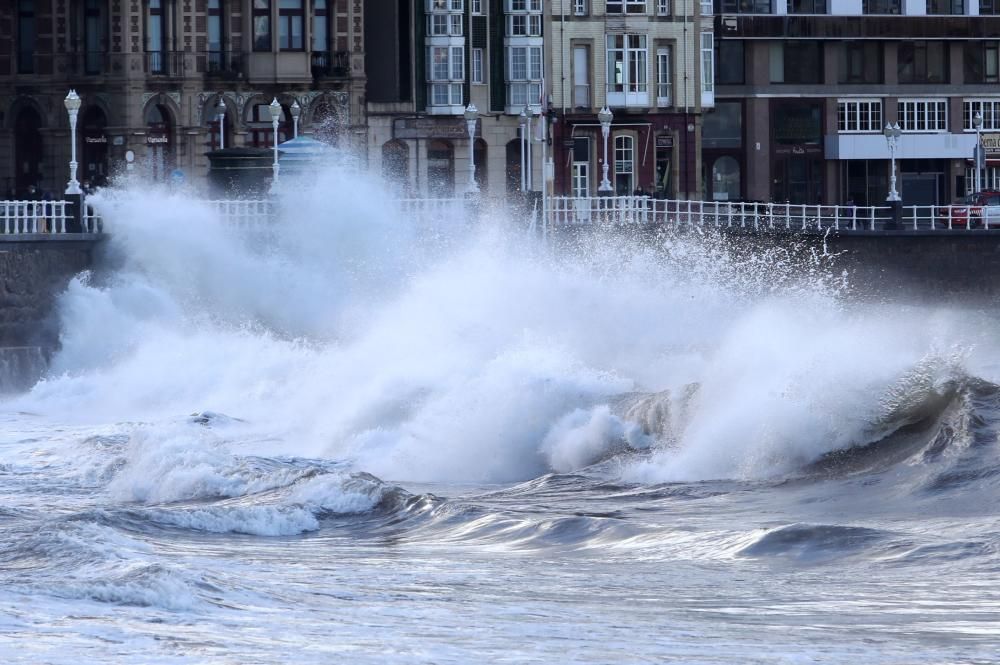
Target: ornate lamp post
column 471, row 115
column 522, row 121
column 72, row 103
column 605, row 117
column 892, row 134
column 977, row 122
column 275, row 109
column 222, row 123
column 296, row 112
column 529, row 171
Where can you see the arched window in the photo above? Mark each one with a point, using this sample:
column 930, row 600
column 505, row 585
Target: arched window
column 440, row 169
column 93, row 126
column 258, row 121
column 514, row 169
column 624, row 165
column 28, row 149
column 726, row 179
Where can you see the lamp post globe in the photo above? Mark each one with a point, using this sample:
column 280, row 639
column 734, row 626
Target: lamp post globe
column 296, row 112
column 605, row 116
column 275, row 109
column 72, row 103
column 471, row 116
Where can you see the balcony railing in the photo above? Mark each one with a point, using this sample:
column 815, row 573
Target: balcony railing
column 164, row 63
column 223, row 64
column 333, row 64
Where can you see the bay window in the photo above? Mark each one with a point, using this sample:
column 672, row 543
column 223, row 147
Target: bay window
column 445, row 74
column 627, row 70
column 524, row 75
column 923, row 115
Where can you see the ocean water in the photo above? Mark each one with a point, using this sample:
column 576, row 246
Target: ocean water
column 356, row 437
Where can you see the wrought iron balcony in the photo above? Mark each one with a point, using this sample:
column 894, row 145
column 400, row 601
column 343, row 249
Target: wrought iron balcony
column 331, row 64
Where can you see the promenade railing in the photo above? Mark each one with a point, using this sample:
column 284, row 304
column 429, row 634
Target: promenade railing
column 24, row 217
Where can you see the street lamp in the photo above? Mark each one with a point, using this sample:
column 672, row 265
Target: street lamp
column 296, row 111
column 471, row 115
column 222, row 123
column 605, row 117
column 275, row 108
column 72, row 103
column 892, row 134
column 523, row 122
column 977, row 122
column 530, row 172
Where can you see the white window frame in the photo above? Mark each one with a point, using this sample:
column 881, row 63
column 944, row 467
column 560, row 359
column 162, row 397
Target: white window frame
column 990, row 175
column 514, row 6
column 527, row 89
column 524, row 25
column 477, row 6
column 445, row 25
column 444, row 88
column 706, row 8
column 859, row 116
column 580, row 7
column 445, row 6
column 707, row 69
column 664, row 77
column 635, row 73
column 477, row 66
column 624, row 154
column 923, row 116
column 663, row 7
column 988, row 106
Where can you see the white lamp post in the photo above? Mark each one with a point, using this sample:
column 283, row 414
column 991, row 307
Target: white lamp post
column 529, row 171
column 471, row 115
column 892, row 134
column 73, row 108
column 275, row 108
column 296, row 111
column 222, row 123
column 977, row 121
column 605, row 117
column 522, row 121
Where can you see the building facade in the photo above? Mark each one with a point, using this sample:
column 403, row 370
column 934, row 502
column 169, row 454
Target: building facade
column 427, row 62
column 152, row 73
column 805, row 88
column 650, row 63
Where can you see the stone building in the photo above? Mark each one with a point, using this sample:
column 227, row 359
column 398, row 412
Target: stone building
column 151, row 74
column 805, row 88
column 650, row 63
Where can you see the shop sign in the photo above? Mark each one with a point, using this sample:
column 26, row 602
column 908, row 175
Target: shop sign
column 432, row 128
column 664, row 140
column 991, row 142
column 95, row 139
column 157, row 139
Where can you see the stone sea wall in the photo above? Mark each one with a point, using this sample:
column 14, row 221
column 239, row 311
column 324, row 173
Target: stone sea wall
column 32, row 275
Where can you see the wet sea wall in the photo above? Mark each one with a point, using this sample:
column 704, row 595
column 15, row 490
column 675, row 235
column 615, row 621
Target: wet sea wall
column 912, row 266
column 33, row 272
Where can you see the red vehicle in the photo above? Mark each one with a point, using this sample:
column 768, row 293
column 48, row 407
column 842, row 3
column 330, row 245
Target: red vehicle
column 973, row 208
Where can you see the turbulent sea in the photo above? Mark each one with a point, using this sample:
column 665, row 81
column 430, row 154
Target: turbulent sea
column 355, row 437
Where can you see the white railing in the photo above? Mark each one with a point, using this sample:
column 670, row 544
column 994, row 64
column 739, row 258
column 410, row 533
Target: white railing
column 23, row 217
column 774, row 216
column 427, row 210
column 244, row 212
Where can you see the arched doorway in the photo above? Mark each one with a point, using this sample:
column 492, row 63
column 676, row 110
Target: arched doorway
column 440, row 169
column 514, row 165
column 726, row 179
column 479, row 161
column 326, row 123
column 159, row 140
column 28, row 150
column 95, row 147
column 396, row 165
column 211, row 119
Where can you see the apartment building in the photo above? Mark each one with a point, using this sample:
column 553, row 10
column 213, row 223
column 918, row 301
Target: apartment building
column 651, row 63
column 427, row 62
column 152, row 74
column 805, row 88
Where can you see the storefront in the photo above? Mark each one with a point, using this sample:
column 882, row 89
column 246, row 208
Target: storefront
column 797, row 163
column 722, row 152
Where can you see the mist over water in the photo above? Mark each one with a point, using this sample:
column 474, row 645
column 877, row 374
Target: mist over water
column 411, row 408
